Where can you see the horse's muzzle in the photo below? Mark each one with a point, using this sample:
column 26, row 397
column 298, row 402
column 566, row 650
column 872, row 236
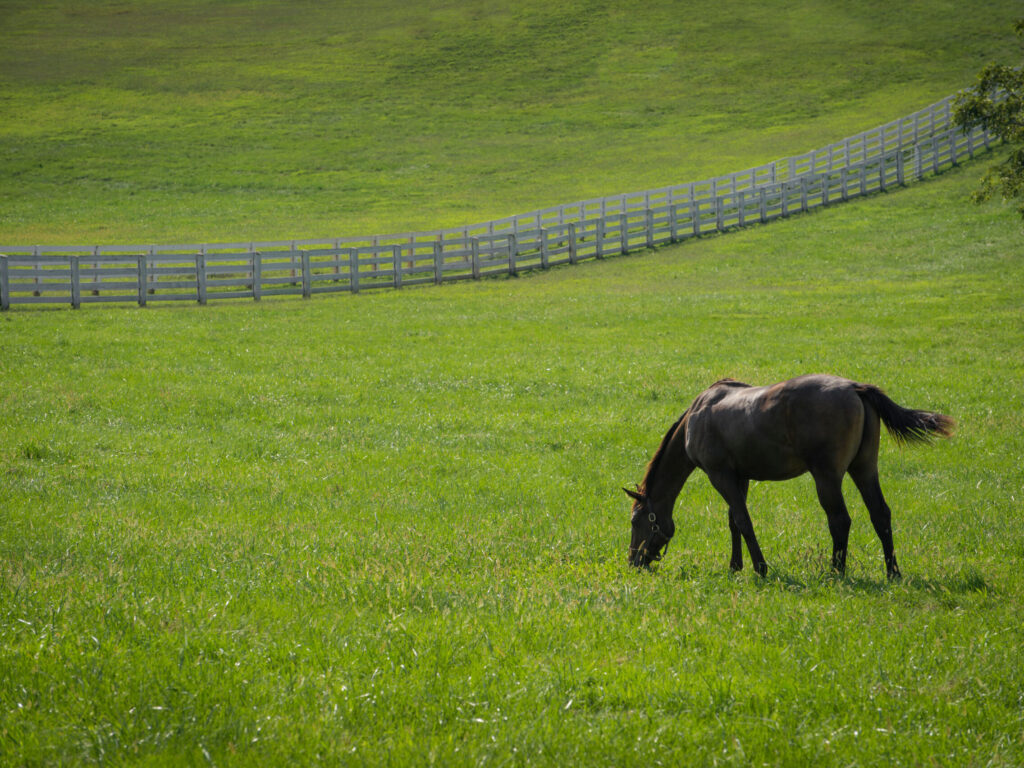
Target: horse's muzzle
column 642, row 556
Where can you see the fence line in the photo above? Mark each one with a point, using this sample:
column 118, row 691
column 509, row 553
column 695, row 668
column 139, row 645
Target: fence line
column 893, row 154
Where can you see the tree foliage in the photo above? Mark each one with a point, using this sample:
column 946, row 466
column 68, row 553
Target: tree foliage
column 997, row 103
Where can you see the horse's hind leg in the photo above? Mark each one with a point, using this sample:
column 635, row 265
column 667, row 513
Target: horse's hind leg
column 734, row 491
column 881, row 516
column 864, row 471
column 830, row 494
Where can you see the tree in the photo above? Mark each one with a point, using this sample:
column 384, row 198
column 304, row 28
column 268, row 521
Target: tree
column 997, row 104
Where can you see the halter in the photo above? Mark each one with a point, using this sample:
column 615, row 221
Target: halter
column 655, row 528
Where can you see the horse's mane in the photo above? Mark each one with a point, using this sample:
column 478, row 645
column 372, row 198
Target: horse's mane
column 655, row 462
column 659, row 454
column 729, row 383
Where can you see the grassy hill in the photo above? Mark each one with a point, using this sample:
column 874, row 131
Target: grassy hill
column 158, row 121
column 387, row 529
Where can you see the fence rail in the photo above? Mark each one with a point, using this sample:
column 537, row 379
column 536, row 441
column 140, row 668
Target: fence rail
column 893, row 154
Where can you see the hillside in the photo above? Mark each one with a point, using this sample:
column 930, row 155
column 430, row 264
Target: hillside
column 157, row 121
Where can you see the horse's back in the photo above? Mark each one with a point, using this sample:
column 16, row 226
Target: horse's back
column 777, row 431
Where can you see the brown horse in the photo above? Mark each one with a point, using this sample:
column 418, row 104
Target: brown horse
column 736, row 433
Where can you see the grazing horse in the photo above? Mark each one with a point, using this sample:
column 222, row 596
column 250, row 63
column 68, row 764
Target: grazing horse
column 736, row 433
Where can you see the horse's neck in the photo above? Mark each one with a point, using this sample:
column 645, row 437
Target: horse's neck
column 673, row 469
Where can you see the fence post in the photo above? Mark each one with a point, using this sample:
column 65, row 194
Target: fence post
column 257, row 276
column 901, row 178
column 474, row 245
column 307, row 275
column 438, row 261
column 201, row 276
column 624, row 230
column 336, row 253
column 695, row 215
column 143, row 278
column 396, row 260
column 37, row 281
column 649, row 226
column 513, row 248
column 572, row 242
column 353, row 270
column 95, row 269
column 600, row 237
column 763, row 204
column 76, row 286
column 543, row 248
column 5, row 290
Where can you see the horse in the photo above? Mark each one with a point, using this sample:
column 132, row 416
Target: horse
column 735, row 433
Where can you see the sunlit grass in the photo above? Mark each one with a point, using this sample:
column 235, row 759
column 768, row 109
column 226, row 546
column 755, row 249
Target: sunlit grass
column 388, row 528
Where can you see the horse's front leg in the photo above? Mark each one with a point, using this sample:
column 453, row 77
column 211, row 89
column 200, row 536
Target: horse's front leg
column 734, row 490
column 736, row 561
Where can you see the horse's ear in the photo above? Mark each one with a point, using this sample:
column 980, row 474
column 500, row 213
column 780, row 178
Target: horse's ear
column 635, row 495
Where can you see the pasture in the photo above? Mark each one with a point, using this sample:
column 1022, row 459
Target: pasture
column 388, row 529
column 161, row 121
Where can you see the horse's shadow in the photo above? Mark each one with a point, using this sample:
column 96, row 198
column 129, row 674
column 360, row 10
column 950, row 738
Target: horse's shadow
column 963, row 582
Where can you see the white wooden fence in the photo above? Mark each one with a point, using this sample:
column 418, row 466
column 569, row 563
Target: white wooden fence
column 893, row 154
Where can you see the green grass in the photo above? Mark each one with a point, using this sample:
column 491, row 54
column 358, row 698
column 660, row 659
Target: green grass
column 387, row 529
column 158, row 121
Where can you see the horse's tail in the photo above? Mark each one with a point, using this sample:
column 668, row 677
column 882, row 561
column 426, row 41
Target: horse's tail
column 905, row 424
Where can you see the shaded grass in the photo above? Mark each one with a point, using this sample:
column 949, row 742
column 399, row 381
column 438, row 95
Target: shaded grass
column 387, row 528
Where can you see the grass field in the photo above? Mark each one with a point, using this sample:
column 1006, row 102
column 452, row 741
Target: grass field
column 169, row 121
column 387, row 529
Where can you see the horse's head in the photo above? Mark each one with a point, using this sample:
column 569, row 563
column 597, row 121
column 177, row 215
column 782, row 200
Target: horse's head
column 652, row 529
